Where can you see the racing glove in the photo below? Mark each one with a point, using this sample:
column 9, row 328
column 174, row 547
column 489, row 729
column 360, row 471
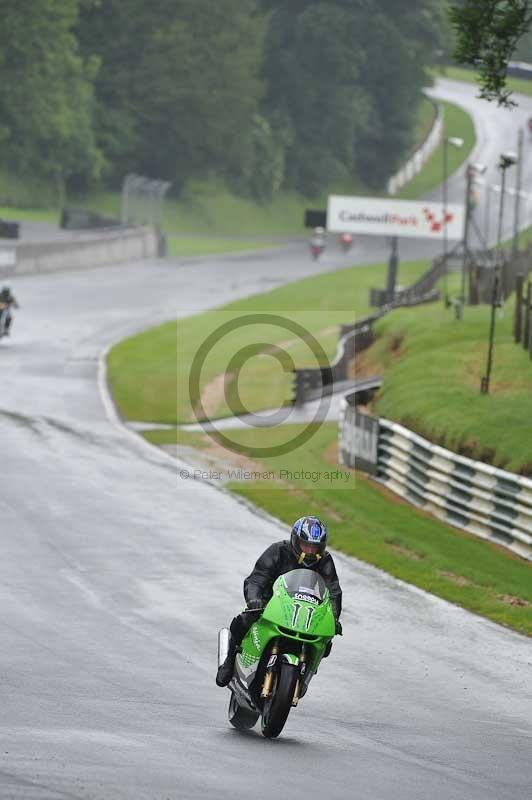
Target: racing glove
column 255, row 605
column 338, row 628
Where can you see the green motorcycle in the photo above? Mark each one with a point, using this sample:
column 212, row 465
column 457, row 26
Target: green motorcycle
column 280, row 653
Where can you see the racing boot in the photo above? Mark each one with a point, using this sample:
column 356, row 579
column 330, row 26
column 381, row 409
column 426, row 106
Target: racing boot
column 225, row 670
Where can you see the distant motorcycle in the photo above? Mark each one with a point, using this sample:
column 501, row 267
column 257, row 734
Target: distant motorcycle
column 317, row 243
column 346, row 242
column 316, row 249
column 4, row 319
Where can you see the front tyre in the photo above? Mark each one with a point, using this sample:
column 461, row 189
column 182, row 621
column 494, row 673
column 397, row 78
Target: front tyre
column 241, row 718
column 277, row 707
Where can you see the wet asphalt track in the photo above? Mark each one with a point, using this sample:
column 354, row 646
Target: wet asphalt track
column 116, row 574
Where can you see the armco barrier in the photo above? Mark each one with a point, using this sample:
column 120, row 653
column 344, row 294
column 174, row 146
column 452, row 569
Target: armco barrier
column 487, row 502
column 85, row 251
column 417, row 161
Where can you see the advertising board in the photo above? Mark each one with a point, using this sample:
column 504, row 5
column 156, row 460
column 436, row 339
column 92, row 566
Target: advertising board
column 389, row 217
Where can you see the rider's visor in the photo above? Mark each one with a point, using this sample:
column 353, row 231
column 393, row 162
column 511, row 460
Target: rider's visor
column 311, row 548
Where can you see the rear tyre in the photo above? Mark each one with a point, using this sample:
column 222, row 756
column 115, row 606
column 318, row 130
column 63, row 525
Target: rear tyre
column 241, row 718
column 277, row 707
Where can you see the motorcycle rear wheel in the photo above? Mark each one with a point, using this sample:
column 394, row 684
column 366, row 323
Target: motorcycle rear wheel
column 277, row 707
column 241, row 718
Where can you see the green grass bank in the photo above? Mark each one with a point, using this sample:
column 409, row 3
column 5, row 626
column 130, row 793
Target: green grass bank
column 433, row 366
column 149, row 373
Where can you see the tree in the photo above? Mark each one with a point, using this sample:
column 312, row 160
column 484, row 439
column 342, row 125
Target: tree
column 178, row 89
column 344, row 80
column 402, row 39
column 46, row 98
column 487, row 33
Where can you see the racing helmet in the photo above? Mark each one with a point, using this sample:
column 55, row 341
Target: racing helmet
column 308, row 540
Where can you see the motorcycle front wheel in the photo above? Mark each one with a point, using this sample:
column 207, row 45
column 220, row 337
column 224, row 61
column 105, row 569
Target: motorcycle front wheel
column 240, row 718
column 278, row 705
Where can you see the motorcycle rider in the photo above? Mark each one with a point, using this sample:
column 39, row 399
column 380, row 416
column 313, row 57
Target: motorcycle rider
column 7, row 299
column 346, row 241
column 306, row 548
column 317, row 243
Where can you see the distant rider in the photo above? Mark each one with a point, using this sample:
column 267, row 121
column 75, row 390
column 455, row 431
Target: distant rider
column 317, row 243
column 306, row 548
column 7, row 299
column 346, row 241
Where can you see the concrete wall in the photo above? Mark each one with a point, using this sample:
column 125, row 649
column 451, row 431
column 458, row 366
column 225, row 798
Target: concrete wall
column 85, row 251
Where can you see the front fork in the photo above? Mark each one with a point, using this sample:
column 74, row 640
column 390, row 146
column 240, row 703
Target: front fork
column 302, row 670
column 270, row 671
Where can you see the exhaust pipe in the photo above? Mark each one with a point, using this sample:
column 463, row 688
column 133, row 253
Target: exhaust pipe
column 223, row 645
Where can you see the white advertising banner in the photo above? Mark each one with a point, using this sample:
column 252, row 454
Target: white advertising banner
column 374, row 216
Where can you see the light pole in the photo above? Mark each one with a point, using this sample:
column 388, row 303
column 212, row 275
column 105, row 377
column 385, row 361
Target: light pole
column 487, row 211
column 472, row 171
column 506, row 160
column 455, row 141
column 517, row 206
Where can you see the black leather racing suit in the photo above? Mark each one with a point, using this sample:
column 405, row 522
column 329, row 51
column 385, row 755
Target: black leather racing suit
column 277, row 559
column 7, row 299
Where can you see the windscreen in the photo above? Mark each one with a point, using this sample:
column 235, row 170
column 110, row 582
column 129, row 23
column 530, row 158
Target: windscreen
column 305, row 582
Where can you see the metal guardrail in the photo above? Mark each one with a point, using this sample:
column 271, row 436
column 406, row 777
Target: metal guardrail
column 485, row 501
column 416, row 162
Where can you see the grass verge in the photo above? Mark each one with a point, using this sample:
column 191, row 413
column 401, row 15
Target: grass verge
column 392, row 535
column 433, row 365
column 30, row 214
column 149, row 373
column 517, row 85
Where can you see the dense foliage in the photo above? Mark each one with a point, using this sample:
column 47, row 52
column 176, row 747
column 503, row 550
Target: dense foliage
column 46, row 93
column 488, row 32
column 266, row 94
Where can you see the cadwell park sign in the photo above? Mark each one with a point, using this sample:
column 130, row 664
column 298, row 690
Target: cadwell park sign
column 373, row 216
